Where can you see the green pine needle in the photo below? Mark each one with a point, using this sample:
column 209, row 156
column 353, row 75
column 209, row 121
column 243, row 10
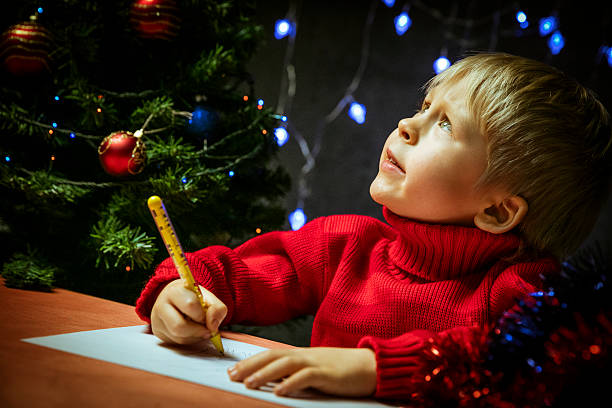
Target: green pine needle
column 213, row 64
column 118, row 244
column 42, row 185
column 159, row 149
column 160, row 109
column 28, row 271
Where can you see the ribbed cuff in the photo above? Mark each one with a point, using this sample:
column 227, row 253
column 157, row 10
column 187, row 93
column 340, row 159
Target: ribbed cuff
column 397, row 363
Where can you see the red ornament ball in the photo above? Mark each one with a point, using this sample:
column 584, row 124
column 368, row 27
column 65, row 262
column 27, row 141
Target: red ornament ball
column 122, row 153
column 25, row 48
column 155, row 19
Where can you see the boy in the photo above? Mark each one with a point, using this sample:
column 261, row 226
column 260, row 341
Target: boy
column 500, row 173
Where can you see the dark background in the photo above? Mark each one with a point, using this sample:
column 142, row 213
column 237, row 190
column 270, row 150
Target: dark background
column 327, row 52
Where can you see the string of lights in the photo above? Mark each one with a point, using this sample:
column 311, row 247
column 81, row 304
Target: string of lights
column 547, row 27
column 53, row 127
column 356, row 111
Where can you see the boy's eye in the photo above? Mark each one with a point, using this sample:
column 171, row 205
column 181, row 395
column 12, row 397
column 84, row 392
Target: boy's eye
column 446, row 125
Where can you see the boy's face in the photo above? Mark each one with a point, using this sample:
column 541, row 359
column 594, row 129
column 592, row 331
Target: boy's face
column 430, row 164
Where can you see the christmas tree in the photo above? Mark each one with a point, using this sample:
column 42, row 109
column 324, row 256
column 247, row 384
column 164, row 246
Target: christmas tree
column 105, row 103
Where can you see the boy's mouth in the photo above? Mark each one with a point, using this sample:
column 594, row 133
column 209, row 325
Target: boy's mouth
column 391, row 160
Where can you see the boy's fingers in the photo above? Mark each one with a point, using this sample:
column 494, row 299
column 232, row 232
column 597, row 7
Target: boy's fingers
column 186, row 301
column 181, row 330
column 216, row 310
column 304, row 378
column 273, row 371
column 248, row 366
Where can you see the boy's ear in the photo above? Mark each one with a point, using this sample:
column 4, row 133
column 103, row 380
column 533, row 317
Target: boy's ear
column 503, row 216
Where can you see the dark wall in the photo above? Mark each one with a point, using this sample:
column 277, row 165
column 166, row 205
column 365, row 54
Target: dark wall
column 327, row 53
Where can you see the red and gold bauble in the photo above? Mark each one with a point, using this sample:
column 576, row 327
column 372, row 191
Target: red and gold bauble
column 122, row 153
column 25, row 48
column 155, row 18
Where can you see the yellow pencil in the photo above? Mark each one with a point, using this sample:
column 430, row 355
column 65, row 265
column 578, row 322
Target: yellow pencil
column 166, row 230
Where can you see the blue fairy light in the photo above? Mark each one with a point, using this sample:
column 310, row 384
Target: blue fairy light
column 54, row 124
column 282, row 28
column 260, row 102
column 441, row 64
column 547, row 25
column 230, row 173
column 402, row 23
column 297, row 219
column 40, row 10
column 184, row 180
column 283, row 118
column 7, row 158
column 521, row 17
column 72, row 135
column 357, row 112
column 203, row 121
column 389, row 3
column 281, row 135
column 556, row 42
column 56, row 98
column 609, row 55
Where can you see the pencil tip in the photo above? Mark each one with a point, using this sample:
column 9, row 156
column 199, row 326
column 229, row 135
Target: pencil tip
column 216, row 341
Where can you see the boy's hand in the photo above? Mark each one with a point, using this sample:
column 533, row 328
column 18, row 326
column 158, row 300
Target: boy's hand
column 177, row 316
column 339, row 371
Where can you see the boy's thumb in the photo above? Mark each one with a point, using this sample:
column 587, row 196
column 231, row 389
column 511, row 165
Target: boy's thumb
column 217, row 311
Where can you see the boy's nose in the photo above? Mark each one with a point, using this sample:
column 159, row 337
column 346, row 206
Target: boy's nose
column 406, row 131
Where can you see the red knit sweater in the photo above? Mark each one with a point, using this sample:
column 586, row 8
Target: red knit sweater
column 368, row 284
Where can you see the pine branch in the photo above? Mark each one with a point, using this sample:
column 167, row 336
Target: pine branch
column 130, row 94
column 17, row 119
column 122, row 244
column 155, row 111
column 53, row 128
column 213, row 65
column 183, row 185
column 14, row 119
column 160, row 150
column 29, row 271
column 231, row 136
column 42, row 185
column 233, row 164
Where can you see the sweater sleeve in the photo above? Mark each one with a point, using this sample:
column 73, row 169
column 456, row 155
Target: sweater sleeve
column 268, row 279
column 397, row 362
column 403, row 368
column 404, row 371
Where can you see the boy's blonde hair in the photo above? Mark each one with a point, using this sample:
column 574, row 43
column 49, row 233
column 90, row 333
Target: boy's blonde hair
column 549, row 141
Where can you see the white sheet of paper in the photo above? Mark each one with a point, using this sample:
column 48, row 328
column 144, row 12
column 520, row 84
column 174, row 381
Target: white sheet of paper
column 133, row 347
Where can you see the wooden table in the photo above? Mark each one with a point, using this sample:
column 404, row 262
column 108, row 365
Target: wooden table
column 35, row 376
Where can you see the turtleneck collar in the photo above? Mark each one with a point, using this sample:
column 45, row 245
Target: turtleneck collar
column 438, row 252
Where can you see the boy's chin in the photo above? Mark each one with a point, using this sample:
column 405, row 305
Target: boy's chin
column 375, row 192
